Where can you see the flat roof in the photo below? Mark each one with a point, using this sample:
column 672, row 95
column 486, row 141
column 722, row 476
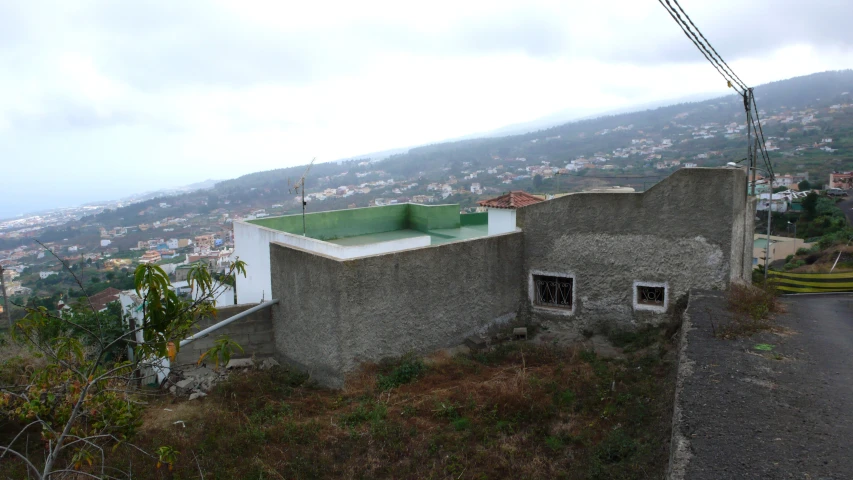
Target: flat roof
column 364, row 226
column 438, row 236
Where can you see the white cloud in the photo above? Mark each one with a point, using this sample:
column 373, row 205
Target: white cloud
column 110, row 97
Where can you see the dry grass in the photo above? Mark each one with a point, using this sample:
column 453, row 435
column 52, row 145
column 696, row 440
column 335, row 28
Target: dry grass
column 518, row 411
column 17, row 361
column 753, row 309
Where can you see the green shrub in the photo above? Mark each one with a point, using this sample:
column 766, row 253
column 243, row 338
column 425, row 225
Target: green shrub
column 616, row 447
column 830, row 239
column 792, row 265
column 461, row 423
column 408, row 370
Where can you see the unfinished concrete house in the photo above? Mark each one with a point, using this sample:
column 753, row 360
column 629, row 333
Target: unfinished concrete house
column 367, row 284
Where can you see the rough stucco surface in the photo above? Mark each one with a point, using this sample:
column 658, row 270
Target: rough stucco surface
column 334, row 314
column 612, row 263
column 686, row 231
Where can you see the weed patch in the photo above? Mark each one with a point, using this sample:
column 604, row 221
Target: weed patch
column 518, row 411
column 409, row 369
column 752, row 308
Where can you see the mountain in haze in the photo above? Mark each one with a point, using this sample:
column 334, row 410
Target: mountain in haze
column 697, row 132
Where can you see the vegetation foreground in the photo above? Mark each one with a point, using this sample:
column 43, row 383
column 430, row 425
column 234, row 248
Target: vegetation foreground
column 516, row 411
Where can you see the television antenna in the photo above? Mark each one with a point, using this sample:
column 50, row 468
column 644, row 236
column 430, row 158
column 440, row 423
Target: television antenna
column 299, row 187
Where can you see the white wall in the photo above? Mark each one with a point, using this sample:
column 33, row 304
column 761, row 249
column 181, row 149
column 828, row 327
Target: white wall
column 501, row 220
column 252, row 245
column 224, row 295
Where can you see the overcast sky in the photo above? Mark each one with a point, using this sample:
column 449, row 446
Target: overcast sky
column 105, row 98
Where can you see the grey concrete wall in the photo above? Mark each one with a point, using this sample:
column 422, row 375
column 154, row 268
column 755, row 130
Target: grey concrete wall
column 688, row 231
column 334, row 314
column 254, row 333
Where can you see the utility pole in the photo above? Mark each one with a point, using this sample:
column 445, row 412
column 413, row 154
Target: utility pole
column 769, row 218
column 5, row 299
column 750, row 155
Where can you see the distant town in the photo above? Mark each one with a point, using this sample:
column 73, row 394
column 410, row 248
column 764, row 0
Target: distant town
column 105, row 241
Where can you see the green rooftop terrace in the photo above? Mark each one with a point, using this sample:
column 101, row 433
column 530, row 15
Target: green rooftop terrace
column 362, row 226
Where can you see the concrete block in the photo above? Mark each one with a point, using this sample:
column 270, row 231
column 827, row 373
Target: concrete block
column 475, row 342
column 260, row 338
column 196, row 395
column 240, row 363
column 268, row 363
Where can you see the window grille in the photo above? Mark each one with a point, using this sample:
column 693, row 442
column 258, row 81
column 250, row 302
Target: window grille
column 555, row 292
column 648, row 295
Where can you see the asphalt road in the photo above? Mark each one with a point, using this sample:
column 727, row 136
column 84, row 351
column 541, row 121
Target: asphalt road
column 786, row 412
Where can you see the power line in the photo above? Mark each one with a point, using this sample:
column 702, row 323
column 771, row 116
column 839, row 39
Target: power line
column 693, row 38
column 727, row 73
column 763, row 143
column 742, row 83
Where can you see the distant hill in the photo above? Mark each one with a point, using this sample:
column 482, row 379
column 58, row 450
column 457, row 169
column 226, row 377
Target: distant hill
column 611, row 138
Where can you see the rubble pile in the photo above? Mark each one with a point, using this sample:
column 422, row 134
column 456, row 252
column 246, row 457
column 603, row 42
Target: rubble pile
column 196, row 381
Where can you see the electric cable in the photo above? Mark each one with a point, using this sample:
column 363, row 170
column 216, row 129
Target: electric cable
column 720, row 57
column 693, row 38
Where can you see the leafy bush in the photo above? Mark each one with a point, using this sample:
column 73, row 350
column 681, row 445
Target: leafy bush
column 808, row 251
column 830, row 239
column 792, row 265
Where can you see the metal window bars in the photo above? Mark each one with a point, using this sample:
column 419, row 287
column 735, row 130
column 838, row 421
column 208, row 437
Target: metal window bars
column 648, row 295
column 553, row 291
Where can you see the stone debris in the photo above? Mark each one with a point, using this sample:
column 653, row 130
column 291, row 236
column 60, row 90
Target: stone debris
column 476, row 342
column 268, row 363
column 195, row 381
column 240, row 363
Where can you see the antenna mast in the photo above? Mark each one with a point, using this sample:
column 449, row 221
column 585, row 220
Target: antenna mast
column 300, row 185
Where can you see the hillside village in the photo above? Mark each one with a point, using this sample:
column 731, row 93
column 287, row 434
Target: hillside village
column 597, row 285
column 811, row 141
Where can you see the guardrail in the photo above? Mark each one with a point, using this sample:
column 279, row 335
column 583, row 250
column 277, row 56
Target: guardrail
column 787, row 282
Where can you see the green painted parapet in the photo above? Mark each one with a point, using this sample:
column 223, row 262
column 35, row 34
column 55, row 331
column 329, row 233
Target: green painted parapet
column 341, row 223
column 362, row 221
column 469, row 219
column 424, row 218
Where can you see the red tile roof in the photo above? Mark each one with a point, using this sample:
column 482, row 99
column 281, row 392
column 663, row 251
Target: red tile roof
column 513, row 200
column 101, row 299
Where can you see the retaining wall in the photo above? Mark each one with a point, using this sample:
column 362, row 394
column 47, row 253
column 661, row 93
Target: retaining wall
column 334, row 314
column 692, row 230
column 254, row 333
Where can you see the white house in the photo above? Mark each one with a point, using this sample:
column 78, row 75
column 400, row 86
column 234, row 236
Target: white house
column 502, row 210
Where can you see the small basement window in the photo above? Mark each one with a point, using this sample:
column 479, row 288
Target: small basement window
column 650, row 296
column 552, row 291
